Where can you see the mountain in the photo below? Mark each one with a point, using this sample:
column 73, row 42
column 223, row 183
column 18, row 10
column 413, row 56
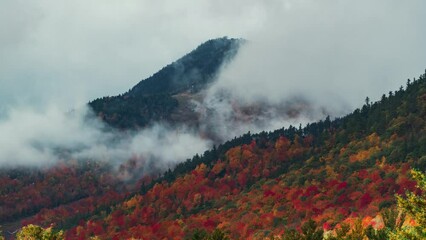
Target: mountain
column 327, row 174
column 163, row 97
column 157, row 97
column 320, row 177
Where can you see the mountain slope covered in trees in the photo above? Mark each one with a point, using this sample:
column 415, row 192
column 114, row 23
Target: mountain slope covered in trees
column 327, row 176
column 154, row 99
column 324, row 178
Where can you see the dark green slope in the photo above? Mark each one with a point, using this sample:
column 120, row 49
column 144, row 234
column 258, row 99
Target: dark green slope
column 151, row 100
column 191, row 72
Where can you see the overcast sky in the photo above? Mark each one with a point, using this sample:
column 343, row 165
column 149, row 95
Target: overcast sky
column 69, row 52
column 74, row 51
column 335, row 53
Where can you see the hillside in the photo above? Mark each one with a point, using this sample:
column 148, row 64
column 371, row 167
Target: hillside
column 163, row 97
column 262, row 185
column 157, row 97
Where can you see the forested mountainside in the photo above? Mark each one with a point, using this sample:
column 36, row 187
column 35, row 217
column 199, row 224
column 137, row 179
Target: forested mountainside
column 331, row 178
column 153, row 99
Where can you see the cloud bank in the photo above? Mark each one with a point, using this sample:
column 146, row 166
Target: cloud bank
column 333, row 53
column 312, row 59
column 40, row 138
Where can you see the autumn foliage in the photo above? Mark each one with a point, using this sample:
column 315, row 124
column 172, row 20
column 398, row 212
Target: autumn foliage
column 340, row 174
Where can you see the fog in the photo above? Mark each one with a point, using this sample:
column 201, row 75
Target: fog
column 303, row 60
column 316, row 59
column 332, row 53
column 40, row 138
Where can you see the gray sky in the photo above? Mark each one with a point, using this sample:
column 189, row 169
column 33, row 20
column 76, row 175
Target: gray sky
column 334, row 53
column 69, row 52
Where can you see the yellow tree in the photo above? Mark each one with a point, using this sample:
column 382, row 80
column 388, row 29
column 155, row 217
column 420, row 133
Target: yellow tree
column 34, row 232
column 414, row 206
column 1, row 234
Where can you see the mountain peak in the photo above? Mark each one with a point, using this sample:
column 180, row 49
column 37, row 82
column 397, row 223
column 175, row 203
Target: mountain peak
column 191, row 72
column 154, row 99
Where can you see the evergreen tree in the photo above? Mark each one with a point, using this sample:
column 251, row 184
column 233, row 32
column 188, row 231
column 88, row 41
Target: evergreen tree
column 310, row 231
column 203, row 235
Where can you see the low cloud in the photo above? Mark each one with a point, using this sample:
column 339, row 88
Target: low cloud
column 40, row 138
column 313, row 59
column 224, row 115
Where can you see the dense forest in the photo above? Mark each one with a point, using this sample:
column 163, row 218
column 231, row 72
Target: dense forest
column 338, row 178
